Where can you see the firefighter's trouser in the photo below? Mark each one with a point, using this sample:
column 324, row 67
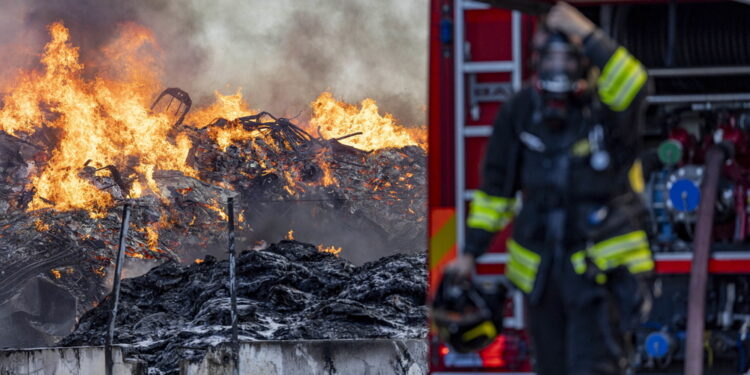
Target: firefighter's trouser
column 575, row 326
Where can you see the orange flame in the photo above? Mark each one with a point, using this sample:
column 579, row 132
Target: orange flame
column 105, row 120
column 330, row 249
column 40, row 225
column 337, row 119
column 199, row 261
column 290, row 235
column 228, row 107
column 56, row 273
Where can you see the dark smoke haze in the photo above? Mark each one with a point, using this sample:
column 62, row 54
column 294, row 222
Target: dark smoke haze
column 283, row 53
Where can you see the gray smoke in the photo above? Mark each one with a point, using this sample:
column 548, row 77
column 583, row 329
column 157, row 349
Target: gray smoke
column 283, row 53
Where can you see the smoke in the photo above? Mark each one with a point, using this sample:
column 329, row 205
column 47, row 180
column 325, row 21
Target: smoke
column 283, row 53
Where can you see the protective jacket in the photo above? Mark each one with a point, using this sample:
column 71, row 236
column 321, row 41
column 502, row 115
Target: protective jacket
column 586, row 169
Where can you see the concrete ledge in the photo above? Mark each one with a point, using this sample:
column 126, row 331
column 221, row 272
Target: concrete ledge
column 371, row 357
column 65, row 361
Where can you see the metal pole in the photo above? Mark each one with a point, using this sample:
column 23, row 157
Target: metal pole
column 460, row 118
column 108, row 360
column 699, row 270
column 233, row 287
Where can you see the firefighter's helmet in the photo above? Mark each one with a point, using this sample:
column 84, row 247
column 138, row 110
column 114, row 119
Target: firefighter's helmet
column 468, row 315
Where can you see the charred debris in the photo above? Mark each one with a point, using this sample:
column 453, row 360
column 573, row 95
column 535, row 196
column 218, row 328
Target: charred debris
column 55, row 265
column 287, row 291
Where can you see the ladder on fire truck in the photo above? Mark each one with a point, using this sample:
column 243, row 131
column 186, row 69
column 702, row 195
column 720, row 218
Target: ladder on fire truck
column 465, row 72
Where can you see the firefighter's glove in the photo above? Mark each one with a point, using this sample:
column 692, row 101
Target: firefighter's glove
column 568, row 20
column 462, row 267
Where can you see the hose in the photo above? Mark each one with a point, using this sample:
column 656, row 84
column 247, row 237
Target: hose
column 714, row 34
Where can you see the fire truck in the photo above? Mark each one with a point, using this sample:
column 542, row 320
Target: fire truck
column 698, row 60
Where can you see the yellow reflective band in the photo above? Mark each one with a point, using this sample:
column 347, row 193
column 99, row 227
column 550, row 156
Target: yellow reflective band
column 527, row 257
column 578, row 259
column 643, row 266
column 621, row 80
column 482, row 199
column 630, row 249
column 628, row 93
column 485, row 329
column 489, row 213
column 522, row 266
column 494, row 223
column 610, row 91
column 613, row 66
column 526, row 272
column 519, row 280
column 635, row 175
column 639, row 260
column 581, row 148
column 618, row 244
column 479, row 222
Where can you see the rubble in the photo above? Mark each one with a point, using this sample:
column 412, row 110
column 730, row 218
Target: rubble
column 286, row 291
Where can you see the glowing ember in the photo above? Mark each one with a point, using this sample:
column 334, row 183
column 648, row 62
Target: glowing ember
column 56, row 273
column 338, row 119
column 290, row 235
column 40, row 225
column 330, row 249
column 215, row 207
column 199, row 261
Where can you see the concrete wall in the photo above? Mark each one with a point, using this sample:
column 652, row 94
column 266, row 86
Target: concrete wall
column 64, row 361
column 366, row 357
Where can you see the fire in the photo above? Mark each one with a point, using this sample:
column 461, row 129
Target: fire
column 199, row 261
column 40, row 225
column 104, row 143
column 56, row 273
column 228, row 107
column 338, row 119
column 152, row 237
column 290, row 235
column 215, row 207
column 330, row 249
column 100, row 121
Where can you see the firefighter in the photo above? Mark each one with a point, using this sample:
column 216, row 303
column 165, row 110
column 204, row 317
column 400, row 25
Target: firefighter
column 562, row 165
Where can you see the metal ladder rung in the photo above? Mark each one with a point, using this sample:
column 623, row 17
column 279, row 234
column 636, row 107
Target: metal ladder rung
column 477, row 131
column 489, row 67
column 471, row 5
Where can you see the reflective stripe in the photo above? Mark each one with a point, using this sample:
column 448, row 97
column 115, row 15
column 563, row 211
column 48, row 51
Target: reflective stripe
column 579, row 261
column 489, row 213
column 522, row 266
column 630, row 250
column 618, row 244
column 639, row 260
column 485, row 329
column 621, row 80
column 518, row 280
column 635, row 176
column 489, row 223
column 628, row 93
column 483, row 199
column 617, row 81
column 613, row 67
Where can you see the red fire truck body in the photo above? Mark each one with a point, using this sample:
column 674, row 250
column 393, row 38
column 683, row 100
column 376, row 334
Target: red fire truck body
column 478, row 57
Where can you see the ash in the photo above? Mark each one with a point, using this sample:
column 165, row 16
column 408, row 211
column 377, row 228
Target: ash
column 287, row 291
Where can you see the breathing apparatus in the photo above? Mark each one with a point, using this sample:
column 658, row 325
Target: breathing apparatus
column 560, row 70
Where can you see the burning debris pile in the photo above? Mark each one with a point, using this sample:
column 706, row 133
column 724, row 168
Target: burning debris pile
column 289, row 290
column 74, row 149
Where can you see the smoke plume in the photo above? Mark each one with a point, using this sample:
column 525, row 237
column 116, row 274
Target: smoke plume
column 283, row 53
